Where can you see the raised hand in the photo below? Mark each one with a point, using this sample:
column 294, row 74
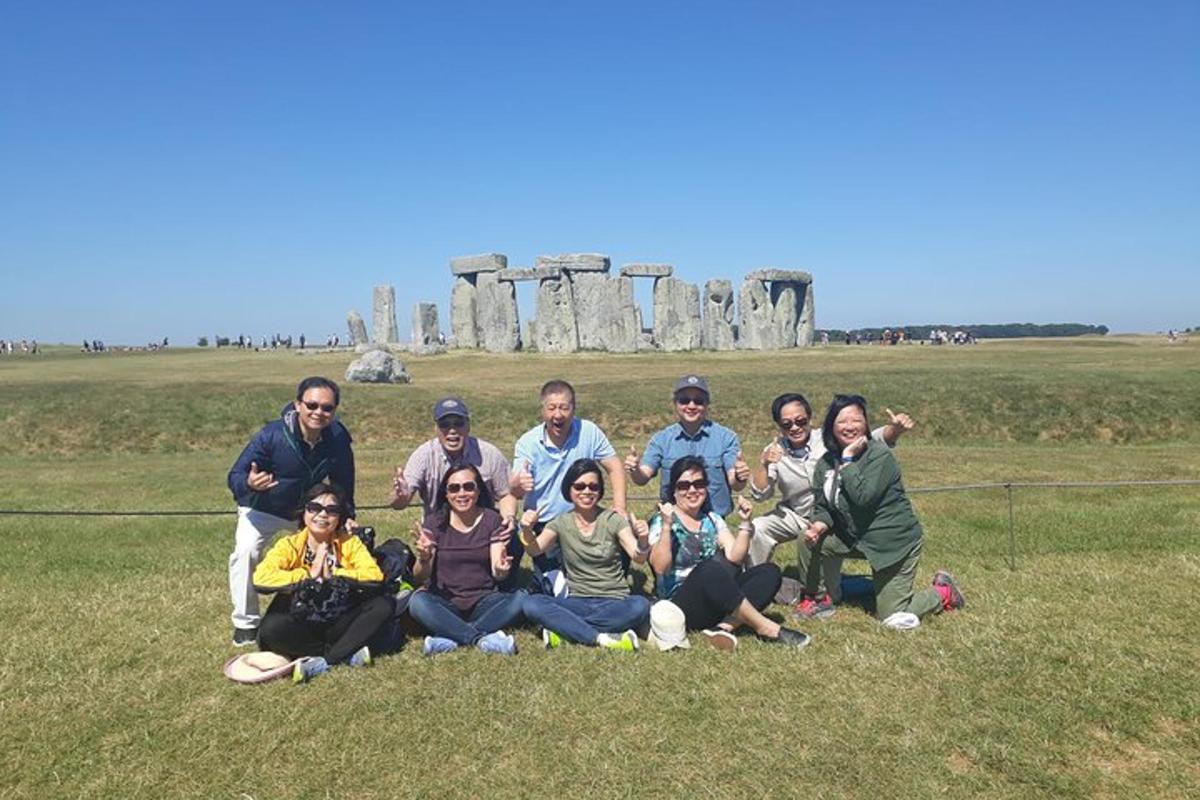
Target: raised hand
column 640, row 529
column 632, row 460
column 668, row 514
column 260, row 481
column 902, row 422
column 424, row 546
column 529, row 519
column 400, row 487
column 772, row 454
column 525, row 478
column 744, row 508
column 741, row 470
column 503, row 564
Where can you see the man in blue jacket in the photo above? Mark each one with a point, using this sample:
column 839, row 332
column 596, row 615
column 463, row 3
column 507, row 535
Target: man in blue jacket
column 302, row 448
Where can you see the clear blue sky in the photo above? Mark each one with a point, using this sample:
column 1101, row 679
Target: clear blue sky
column 188, row 168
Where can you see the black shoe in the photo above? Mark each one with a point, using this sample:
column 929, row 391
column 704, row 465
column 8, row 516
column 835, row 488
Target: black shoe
column 244, row 636
column 790, row 637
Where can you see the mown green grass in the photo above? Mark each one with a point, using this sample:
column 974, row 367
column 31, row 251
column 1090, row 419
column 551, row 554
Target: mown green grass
column 1073, row 676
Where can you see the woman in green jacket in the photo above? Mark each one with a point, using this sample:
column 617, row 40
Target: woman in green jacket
column 860, row 499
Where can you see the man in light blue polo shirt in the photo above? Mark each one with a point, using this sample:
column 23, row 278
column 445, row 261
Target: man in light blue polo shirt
column 544, row 453
column 694, row 435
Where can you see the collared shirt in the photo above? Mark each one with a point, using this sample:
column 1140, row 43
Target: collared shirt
column 793, row 474
column 549, row 463
column 716, row 444
column 428, row 464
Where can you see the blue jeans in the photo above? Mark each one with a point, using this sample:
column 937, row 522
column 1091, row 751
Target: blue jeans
column 441, row 618
column 581, row 619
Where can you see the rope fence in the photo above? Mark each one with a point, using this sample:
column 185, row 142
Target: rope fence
column 1008, row 486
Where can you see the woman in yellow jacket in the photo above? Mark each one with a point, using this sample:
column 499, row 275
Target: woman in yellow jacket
column 321, row 562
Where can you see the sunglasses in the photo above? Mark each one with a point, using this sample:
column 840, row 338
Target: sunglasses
column 455, row 488
column 799, row 422
column 581, row 486
column 326, row 407
column 683, row 486
column 446, row 423
column 692, row 401
column 315, row 508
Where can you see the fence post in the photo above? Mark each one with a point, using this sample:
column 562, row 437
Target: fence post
column 1012, row 535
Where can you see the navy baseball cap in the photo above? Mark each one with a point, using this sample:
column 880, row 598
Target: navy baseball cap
column 691, row 382
column 450, row 407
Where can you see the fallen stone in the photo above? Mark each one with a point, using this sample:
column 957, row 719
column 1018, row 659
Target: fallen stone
column 472, row 265
column 717, row 316
column 377, row 365
column 383, row 316
column 555, row 329
column 576, row 262
column 358, row 328
column 647, row 270
column 676, row 315
column 498, row 327
column 775, row 274
column 530, row 274
column 464, row 322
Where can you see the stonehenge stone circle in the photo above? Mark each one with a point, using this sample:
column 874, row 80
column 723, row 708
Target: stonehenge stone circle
column 383, row 316
column 358, row 329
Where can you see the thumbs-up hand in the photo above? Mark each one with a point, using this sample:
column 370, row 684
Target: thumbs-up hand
column 632, row 460
column 260, row 481
column 668, row 514
column 772, row 454
column 640, row 529
column 524, row 478
column 529, row 519
column 741, row 470
column 902, row 422
column 744, row 508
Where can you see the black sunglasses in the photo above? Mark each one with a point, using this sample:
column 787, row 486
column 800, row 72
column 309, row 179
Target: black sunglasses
column 692, row 401
column 581, row 486
column 315, row 508
column 788, row 424
column 683, row 486
column 326, row 407
column 467, row 486
column 446, row 423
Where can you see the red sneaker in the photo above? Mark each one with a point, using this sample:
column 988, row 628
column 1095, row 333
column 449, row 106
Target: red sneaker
column 952, row 598
column 810, row 607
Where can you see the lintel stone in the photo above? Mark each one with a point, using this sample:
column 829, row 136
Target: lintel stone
column 530, row 274
column 774, row 274
column 576, row 262
column 470, row 265
column 647, row 270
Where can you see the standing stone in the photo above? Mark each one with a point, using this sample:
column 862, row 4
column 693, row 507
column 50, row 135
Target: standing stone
column 785, row 314
column 676, row 315
column 594, row 308
column 717, row 333
column 498, row 327
column 464, row 321
column 555, row 328
column 756, row 330
column 383, row 316
column 425, row 329
column 358, row 329
column 626, row 327
column 808, row 317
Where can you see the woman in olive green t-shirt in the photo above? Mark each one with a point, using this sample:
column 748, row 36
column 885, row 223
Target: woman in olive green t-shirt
column 597, row 608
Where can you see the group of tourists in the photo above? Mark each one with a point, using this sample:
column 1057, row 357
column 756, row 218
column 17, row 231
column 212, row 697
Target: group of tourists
column 562, row 500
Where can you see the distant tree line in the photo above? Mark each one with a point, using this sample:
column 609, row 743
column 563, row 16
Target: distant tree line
column 1007, row 330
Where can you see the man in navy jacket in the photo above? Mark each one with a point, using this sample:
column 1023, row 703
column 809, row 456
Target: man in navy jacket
column 305, row 446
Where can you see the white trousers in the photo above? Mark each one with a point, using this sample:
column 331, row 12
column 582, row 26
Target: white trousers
column 255, row 530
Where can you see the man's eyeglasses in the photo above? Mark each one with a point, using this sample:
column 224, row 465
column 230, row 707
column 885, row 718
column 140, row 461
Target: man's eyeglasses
column 313, row 406
column 315, row 508
column 580, row 486
column 798, row 422
column 467, row 486
column 683, row 486
column 448, row 423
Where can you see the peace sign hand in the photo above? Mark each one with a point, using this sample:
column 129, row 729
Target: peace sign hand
column 425, row 545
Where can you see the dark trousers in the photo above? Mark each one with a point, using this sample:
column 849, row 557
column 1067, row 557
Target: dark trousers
column 335, row 641
column 715, row 588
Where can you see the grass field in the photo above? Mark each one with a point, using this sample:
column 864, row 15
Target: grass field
column 1073, row 676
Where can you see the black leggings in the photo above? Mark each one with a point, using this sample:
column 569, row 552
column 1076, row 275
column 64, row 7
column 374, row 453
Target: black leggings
column 336, row 641
column 715, row 588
